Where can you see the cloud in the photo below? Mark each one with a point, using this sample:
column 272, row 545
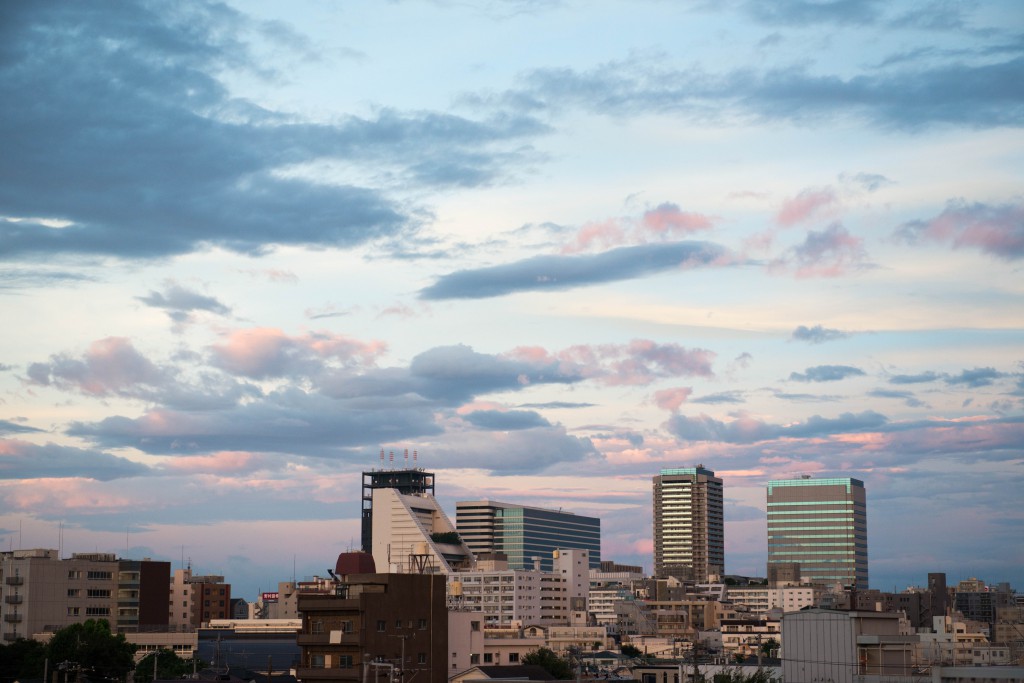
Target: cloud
column 110, row 366
column 556, row 273
column 722, row 397
column 672, row 399
column 976, row 93
column 809, row 204
column 817, row 334
column 130, row 121
column 866, row 181
column 827, row 253
column 746, row 430
column 505, row 420
column 8, row 427
column 259, row 353
column 21, row 460
column 826, row 373
column 996, row 230
column 181, row 303
column 906, row 396
column 978, row 377
column 813, row 12
column 668, row 220
column 920, row 378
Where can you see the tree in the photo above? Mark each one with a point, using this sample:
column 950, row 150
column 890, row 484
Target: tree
column 550, row 662
column 632, row 651
column 168, row 665
column 92, row 648
column 770, row 647
column 23, row 658
column 737, row 676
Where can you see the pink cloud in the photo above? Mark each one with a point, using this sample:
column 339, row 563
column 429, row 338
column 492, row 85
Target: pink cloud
column 668, row 220
column 109, row 366
column 995, row 230
column 671, row 399
column 808, row 204
column 598, row 234
column 639, row 362
column 267, row 352
column 223, row 462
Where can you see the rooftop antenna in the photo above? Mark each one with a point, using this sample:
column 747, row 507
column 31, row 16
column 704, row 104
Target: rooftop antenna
column 414, row 454
column 391, row 457
column 382, row 458
column 406, row 457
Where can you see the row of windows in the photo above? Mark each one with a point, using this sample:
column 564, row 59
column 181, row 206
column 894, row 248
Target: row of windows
column 89, row 611
column 382, row 625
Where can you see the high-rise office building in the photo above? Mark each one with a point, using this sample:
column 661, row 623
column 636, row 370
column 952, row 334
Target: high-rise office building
column 407, row 481
column 689, row 531
column 822, row 525
column 523, row 533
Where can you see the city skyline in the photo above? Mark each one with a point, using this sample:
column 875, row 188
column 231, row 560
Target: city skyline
column 554, row 248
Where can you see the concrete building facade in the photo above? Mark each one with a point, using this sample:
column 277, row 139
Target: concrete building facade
column 522, row 533
column 42, row 592
column 412, row 534
column 689, row 529
column 822, row 525
column 195, row 599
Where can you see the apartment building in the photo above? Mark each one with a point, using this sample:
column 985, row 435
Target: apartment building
column 689, row 528
column 42, row 592
column 196, row 599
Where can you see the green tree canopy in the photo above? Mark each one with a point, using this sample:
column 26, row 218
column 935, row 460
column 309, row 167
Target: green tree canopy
column 632, row 651
column 552, row 663
column 22, row 658
column 92, row 647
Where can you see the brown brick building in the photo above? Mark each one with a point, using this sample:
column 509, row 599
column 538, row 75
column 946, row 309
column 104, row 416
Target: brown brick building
column 388, row 627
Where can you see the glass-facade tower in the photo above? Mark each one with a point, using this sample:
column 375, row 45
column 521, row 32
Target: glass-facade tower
column 689, row 527
column 822, row 525
column 523, row 533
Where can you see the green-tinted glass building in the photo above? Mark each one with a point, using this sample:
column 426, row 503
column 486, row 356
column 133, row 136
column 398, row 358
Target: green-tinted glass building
column 523, row 533
column 821, row 524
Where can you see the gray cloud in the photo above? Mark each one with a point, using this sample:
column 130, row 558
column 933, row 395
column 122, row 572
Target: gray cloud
column 747, row 430
column 497, row 420
column 905, row 396
column 817, row 334
column 920, row 378
column 826, row 373
column 552, row 273
column 719, row 398
column 134, row 143
column 23, row 460
column 7, row 427
column 978, row 377
column 975, row 93
column 180, row 302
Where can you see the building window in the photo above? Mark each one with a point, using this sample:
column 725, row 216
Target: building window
column 98, row 593
column 513, row 657
column 73, row 611
column 344, row 661
column 74, row 592
column 421, row 658
column 474, row 626
column 474, row 659
column 423, row 624
column 488, row 658
column 97, row 611
column 346, row 627
column 398, row 624
column 382, row 626
column 100, row 576
column 316, row 661
column 317, row 627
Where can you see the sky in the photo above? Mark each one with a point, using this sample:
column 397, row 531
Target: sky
column 547, row 248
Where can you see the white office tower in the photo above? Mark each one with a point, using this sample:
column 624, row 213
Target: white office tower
column 412, row 535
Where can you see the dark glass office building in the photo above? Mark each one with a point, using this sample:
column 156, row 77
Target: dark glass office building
column 821, row 524
column 523, row 533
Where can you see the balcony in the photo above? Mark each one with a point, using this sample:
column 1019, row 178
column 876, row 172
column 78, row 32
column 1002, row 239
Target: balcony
column 313, row 638
column 12, row 599
column 14, row 581
column 12, row 618
column 10, row 636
